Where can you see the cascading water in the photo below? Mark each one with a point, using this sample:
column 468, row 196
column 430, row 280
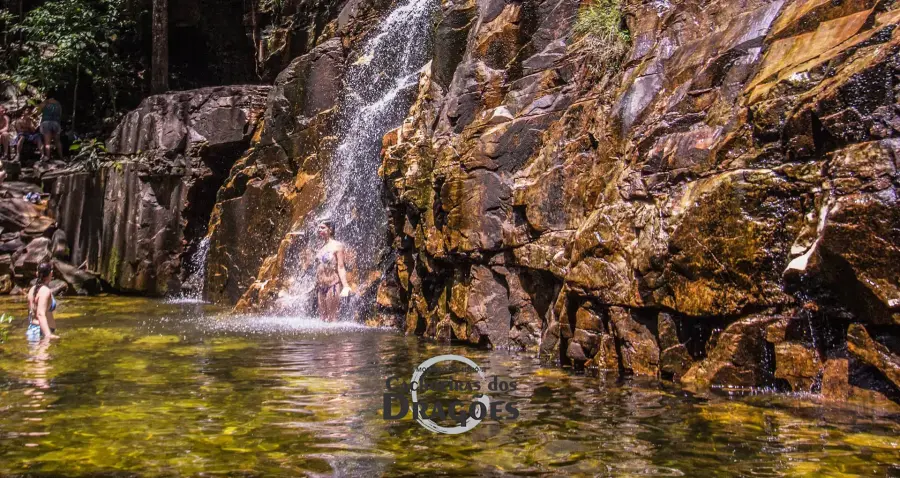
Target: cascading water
column 376, row 98
column 192, row 289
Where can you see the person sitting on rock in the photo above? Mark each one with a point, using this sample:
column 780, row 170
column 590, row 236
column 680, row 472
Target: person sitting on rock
column 5, row 134
column 330, row 273
column 41, row 304
column 27, row 130
column 51, row 127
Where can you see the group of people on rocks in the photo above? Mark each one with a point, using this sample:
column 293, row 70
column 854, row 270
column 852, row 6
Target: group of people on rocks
column 43, row 134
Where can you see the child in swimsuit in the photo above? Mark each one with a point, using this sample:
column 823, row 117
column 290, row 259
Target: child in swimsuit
column 41, row 304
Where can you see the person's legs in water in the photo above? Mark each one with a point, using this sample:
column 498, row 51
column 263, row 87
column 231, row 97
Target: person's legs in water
column 329, row 302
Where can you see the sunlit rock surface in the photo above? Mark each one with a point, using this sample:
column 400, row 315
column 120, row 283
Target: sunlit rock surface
column 720, row 210
column 740, row 169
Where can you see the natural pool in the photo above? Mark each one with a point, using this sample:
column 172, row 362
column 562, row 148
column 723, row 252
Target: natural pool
column 143, row 388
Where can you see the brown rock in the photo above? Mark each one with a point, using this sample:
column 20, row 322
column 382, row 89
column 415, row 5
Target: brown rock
column 861, row 241
column 488, row 308
column 6, row 283
column 861, row 345
column 167, row 125
column 798, row 365
column 675, row 361
column 576, row 352
column 640, row 354
column 589, row 341
column 836, row 386
column 588, row 320
column 27, row 260
column 607, row 359
column 738, row 358
column 667, row 331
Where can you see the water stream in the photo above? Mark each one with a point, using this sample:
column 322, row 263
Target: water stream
column 193, row 287
column 137, row 387
column 377, row 95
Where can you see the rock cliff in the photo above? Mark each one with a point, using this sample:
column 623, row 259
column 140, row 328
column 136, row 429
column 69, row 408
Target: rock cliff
column 718, row 208
column 711, row 198
column 135, row 218
column 713, row 201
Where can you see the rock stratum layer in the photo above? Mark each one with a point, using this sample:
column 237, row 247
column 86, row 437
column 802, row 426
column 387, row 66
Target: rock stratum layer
column 134, row 219
column 718, row 211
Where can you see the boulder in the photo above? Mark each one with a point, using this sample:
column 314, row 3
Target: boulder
column 80, row 282
column 738, row 358
column 6, row 283
column 27, row 259
column 638, row 347
column 798, row 365
column 862, row 346
column 208, row 122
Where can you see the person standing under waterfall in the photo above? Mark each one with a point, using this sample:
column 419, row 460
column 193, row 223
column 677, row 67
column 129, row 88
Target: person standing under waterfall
column 331, row 275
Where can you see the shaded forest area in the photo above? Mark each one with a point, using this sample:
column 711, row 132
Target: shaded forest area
column 95, row 56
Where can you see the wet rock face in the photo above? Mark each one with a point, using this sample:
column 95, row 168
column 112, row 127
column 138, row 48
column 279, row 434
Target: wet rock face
column 285, row 30
column 739, row 170
column 276, row 183
column 132, row 220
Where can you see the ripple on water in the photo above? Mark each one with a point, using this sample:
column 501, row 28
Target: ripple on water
column 143, row 387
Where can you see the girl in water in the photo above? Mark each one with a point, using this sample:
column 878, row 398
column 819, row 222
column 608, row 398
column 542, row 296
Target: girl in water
column 331, row 276
column 41, row 305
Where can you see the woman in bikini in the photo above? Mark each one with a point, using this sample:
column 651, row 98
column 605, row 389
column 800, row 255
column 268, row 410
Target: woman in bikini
column 331, row 276
column 41, row 304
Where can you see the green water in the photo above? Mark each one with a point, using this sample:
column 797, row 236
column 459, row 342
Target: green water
column 142, row 388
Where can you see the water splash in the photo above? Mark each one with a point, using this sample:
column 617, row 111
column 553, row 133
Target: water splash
column 193, row 288
column 378, row 91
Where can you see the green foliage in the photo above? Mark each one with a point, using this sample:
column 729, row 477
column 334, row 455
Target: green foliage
column 70, row 42
column 89, row 151
column 5, row 323
column 599, row 27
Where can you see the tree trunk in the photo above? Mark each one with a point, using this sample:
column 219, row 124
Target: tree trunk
column 75, row 93
column 159, row 82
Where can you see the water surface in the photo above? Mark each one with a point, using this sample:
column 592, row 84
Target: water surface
column 143, row 388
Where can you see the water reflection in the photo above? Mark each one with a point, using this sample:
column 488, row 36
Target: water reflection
column 136, row 386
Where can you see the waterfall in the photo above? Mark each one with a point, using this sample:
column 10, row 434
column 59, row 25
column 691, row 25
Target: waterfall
column 192, row 288
column 378, row 89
